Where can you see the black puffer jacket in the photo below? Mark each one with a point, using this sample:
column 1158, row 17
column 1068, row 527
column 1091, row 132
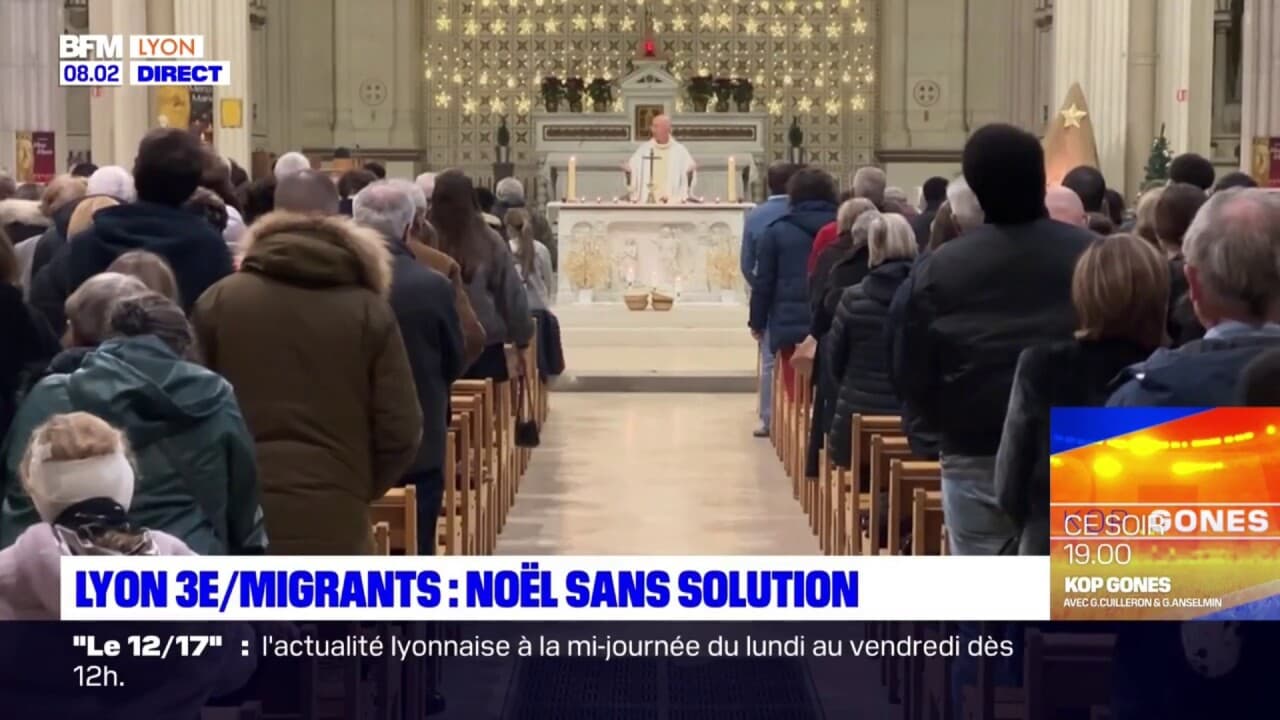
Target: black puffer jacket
column 858, row 353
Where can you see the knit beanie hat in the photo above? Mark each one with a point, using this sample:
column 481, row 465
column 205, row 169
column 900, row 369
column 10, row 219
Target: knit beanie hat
column 56, row 484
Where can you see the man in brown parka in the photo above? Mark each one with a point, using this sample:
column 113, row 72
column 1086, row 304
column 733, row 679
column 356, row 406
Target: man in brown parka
column 305, row 335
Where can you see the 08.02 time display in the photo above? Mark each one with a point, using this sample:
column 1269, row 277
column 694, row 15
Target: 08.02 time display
column 73, row 73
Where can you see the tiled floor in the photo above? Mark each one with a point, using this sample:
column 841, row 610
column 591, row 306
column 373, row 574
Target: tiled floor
column 655, row 474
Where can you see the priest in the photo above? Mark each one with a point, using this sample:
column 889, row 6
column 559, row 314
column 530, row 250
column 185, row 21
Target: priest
column 664, row 161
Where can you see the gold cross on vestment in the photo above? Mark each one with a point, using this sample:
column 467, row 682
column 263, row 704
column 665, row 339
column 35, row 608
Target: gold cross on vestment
column 1072, row 116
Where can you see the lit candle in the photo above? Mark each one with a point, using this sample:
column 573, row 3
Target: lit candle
column 733, row 180
column 631, row 276
column 571, row 189
column 677, row 286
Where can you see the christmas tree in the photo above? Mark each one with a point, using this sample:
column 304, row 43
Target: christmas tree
column 1158, row 161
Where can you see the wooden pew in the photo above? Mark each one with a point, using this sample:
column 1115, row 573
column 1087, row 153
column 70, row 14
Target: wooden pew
column 465, row 426
column 884, row 450
column 904, row 479
column 487, row 454
column 381, row 539
column 398, row 510
column 1086, row 658
column 926, row 523
column 851, row 502
column 448, row 537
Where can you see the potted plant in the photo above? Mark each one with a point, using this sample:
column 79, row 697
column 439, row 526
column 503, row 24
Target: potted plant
column 573, row 91
column 552, row 93
column 701, row 88
column 743, row 93
column 601, row 93
column 723, row 89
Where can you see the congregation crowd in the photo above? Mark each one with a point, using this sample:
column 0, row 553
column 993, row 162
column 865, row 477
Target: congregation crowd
column 193, row 362
column 1001, row 298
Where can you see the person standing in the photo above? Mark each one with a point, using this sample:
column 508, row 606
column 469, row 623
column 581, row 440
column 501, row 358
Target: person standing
column 305, row 335
column 975, row 303
column 662, row 165
column 758, row 219
column 422, row 300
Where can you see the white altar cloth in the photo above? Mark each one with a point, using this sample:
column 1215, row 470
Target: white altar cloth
column 689, row 250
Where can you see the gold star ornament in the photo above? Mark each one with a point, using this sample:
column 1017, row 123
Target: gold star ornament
column 1072, row 116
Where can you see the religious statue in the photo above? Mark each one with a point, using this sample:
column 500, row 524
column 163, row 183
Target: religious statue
column 661, row 170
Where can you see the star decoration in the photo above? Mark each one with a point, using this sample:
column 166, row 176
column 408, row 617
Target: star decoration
column 457, row 78
column 579, row 23
column 752, row 26
column 833, row 107
column 845, row 4
column 1072, row 116
column 497, row 106
column 657, row 26
column 870, row 76
column 858, row 102
column 523, row 105
column 550, row 25
column 469, row 106
column 471, row 27
column 442, row 99
column 706, row 21
column 859, row 26
column 775, row 107
column 790, row 6
column 443, row 23
column 679, row 23
column 833, row 32
column 484, row 77
column 724, row 20
column 777, row 29
column 628, row 23
column 525, row 27
column 806, row 31
column 804, row 104
column 599, row 21
column 787, row 81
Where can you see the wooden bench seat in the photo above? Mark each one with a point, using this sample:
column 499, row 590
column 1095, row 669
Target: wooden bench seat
column 398, row 511
column 878, row 527
column 905, row 477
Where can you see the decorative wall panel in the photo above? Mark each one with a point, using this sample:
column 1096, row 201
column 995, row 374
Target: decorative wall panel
column 811, row 60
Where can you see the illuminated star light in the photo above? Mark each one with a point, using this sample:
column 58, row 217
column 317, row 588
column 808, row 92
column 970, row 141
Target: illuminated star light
column 1072, row 116
column 679, row 23
column 523, row 105
column 806, row 32
column 443, row 23
column 858, row 102
column 579, row 23
column 628, row 23
column 724, row 20
column 706, row 21
column 471, row 27
column 804, row 104
column 775, row 107
column 752, row 26
column 777, row 29
column 497, row 106
column 599, row 21
column 859, row 26
column 833, row 107
column 833, row 32
column 468, row 106
column 550, row 25
column 526, row 26
column 442, row 99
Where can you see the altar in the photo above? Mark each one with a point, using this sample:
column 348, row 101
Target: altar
column 690, row 250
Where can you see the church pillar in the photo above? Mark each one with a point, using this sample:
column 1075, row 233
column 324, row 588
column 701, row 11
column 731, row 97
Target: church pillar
column 893, row 70
column 226, row 38
column 119, row 116
column 1184, row 100
column 1091, row 43
column 29, row 32
column 1141, row 106
column 1260, row 70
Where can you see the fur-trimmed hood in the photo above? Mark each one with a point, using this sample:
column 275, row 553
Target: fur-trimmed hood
column 317, row 250
column 27, row 212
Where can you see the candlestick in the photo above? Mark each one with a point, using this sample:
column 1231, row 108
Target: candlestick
column 572, row 183
column 733, row 180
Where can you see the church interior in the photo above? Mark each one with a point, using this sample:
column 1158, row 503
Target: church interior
column 664, row 433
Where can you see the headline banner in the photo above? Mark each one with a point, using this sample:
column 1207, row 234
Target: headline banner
column 555, row 588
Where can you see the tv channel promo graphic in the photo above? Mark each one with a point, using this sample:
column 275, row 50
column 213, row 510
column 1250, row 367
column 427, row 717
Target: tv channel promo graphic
column 550, row 588
column 1165, row 513
column 99, row 60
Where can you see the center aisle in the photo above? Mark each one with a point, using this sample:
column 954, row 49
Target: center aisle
column 654, row 474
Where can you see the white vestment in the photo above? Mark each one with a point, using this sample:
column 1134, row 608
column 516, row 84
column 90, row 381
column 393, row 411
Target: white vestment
column 675, row 185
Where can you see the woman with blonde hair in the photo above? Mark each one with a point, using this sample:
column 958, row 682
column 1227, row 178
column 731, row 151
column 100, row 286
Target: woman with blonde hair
column 858, row 347
column 79, row 477
column 198, row 477
column 1120, row 290
column 151, row 269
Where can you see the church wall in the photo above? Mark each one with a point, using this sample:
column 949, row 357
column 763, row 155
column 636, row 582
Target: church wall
column 310, row 67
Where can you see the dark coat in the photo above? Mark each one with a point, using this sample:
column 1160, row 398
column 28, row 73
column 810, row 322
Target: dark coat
column 423, row 303
column 1183, row 325
column 306, row 337
column 858, row 353
column 922, row 439
column 1074, row 373
column 197, row 479
column 779, row 294
column 976, row 303
column 55, row 237
column 1202, row 373
column 28, row 345
column 498, row 297
column 922, row 225
column 195, row 252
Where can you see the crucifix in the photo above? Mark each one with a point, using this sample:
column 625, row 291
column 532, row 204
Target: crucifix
column 651, row 158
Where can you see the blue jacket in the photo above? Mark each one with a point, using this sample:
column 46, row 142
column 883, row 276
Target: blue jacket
column 757, row 221
column 1202, row 373
column 780, row 290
